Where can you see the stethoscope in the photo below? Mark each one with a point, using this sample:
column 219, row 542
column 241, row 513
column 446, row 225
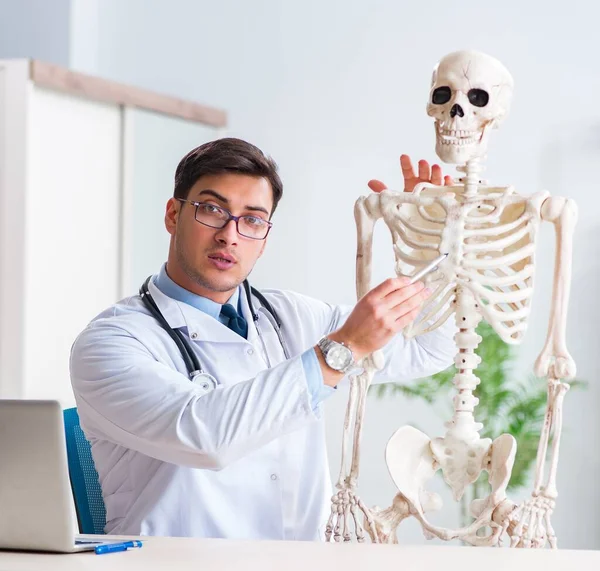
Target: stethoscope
column 198, row 376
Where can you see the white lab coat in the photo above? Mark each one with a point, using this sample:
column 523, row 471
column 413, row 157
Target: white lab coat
column 245, row 461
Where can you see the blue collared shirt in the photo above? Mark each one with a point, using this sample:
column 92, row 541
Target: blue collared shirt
column 318, row 389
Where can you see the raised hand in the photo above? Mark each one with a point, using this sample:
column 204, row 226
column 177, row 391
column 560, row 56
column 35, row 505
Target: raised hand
column 426, row 173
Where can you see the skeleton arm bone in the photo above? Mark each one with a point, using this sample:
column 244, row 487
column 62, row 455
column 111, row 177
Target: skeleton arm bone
column 532, row 525
column 555, row 360
column 366, row 212
column 344, row 503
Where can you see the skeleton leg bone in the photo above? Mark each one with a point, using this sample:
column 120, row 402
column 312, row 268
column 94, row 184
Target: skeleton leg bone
column 386, row 521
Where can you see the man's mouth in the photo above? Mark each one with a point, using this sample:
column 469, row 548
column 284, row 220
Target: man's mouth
column 222, row 260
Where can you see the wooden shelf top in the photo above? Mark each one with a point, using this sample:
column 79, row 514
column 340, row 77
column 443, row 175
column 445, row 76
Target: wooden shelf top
column 62, row 79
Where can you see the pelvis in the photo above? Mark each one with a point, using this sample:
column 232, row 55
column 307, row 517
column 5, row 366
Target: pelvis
column 413, row 458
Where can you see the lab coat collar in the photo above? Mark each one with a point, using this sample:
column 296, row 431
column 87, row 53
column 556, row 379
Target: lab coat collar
column 200, row 326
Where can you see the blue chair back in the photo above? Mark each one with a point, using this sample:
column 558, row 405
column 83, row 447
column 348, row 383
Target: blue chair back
column 89, row 504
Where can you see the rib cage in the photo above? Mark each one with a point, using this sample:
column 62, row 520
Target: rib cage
column 490, row 239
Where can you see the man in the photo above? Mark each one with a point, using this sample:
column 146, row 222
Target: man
column 246, row 459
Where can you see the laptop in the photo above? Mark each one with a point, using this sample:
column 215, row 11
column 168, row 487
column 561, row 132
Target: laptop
column 36, row 504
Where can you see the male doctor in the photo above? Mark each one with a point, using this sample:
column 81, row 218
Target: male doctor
column 246, row 459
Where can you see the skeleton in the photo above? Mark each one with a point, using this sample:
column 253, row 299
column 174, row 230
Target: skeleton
column 489, row 234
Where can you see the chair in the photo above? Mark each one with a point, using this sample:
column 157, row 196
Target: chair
column 91, row 513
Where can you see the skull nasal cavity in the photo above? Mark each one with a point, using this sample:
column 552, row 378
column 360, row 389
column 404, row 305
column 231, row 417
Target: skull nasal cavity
column 457, row 110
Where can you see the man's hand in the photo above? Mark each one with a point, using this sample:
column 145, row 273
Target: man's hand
column 426, row 174
column 376, row 318
column 380, row 314
column 392, row 305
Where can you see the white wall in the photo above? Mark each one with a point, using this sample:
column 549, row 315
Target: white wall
column 336, row 91
column 35, row 29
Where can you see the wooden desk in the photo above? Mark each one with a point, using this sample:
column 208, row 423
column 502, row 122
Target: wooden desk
column 163, row 553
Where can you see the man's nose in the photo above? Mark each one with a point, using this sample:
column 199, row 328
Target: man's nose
column 228, row 234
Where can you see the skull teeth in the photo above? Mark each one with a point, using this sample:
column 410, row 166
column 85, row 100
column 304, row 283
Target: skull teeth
column 458, row 133
column 458, row 137
column 458, row 142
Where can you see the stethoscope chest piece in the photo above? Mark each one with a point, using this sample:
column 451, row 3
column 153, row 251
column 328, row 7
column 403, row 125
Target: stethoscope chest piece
column 205, row 381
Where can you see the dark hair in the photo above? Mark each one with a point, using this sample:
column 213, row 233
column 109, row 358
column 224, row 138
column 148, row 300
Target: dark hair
column 226, row 155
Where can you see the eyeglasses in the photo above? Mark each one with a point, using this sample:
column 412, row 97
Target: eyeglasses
column 214, row 216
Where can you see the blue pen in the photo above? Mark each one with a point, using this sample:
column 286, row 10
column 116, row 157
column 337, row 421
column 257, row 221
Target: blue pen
column 114, row 547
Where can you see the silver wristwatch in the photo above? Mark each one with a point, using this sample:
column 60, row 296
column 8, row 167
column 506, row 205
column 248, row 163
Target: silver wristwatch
column 337, row 355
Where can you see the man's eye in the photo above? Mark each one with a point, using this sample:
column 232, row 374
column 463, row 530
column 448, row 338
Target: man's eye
column 209, row 209
column 254, row 220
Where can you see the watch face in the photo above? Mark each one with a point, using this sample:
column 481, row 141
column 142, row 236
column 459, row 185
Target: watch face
column 338, row 357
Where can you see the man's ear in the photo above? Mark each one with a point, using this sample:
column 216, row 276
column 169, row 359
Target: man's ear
column 172, row 215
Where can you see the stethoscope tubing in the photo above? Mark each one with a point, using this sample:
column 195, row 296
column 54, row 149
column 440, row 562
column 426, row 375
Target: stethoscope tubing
column 193, row 366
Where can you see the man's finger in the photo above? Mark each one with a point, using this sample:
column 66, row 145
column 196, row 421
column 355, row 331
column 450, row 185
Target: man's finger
column 408, row 305
column 388, row 286
column 406, row 165
column 436, row 175
column 407, row 318
column 448, row 180
column 376, row 185
column 424, row 170
column 401, row 294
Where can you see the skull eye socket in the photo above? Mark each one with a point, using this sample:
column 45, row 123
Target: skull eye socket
column 441, row 95
column 478, row 97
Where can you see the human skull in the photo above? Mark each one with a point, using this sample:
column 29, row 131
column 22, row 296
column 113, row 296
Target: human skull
column 470, row 95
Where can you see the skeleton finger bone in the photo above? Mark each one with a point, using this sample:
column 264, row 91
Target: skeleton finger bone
column 533, row 527
column 345, row 504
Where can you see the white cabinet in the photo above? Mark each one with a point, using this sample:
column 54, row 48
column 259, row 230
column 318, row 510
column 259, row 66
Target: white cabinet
column 86, row 167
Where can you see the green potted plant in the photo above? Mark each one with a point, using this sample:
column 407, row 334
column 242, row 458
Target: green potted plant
column 506, row 405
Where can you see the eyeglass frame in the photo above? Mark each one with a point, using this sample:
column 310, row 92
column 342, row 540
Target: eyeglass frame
column 230, row 217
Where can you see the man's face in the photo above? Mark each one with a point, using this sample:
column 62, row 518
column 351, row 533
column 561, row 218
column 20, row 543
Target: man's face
column 209, row 260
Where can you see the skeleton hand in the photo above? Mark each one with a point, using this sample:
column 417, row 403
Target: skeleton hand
column 530, row 526
column 555, row 364
column 345, row 505
column 431, row 175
